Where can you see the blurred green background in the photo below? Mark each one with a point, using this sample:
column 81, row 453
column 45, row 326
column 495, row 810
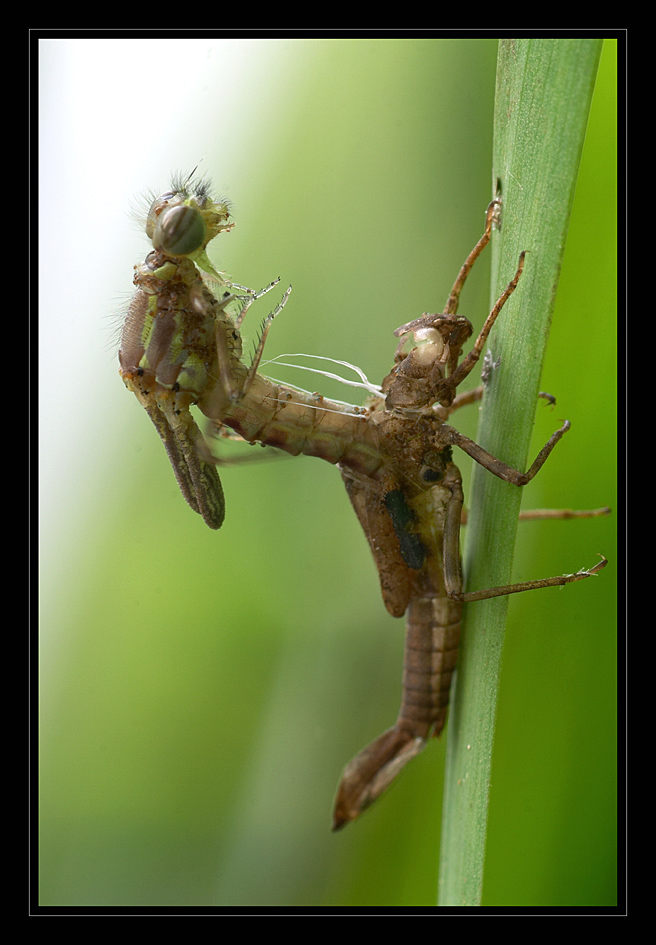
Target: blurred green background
column 201, row 691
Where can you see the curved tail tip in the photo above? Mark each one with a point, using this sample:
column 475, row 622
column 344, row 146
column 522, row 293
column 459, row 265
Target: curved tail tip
column 372, row 771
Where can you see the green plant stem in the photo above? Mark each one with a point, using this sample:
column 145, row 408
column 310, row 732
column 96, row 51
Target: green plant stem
column 543, row 95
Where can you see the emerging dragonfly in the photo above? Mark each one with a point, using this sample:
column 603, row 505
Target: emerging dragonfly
column 180, row 346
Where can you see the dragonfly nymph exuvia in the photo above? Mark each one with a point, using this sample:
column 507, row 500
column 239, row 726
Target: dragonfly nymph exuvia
column 181, row 345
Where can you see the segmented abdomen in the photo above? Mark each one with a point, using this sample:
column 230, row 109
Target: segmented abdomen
column 430, row 652
column 299, row 422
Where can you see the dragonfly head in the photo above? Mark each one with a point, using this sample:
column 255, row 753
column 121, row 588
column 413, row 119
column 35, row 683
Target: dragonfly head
column 182, row 221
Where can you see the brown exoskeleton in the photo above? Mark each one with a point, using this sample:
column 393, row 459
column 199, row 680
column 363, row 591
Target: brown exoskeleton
column 181, row 346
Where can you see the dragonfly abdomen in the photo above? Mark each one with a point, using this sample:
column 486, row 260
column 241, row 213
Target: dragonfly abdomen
column 431, row 644
column 300, row 422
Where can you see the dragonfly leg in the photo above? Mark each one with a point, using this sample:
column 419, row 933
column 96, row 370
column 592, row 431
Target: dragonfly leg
column 470, row 360
column 252, row 297
column 236, row 388
column 496, row 466
column 255, row 363
column 451, row 555
column 558, row 581
column 491, row 216
column 532, row 515
column 473, row 396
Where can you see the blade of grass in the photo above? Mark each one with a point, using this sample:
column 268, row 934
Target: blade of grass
column 543, row 95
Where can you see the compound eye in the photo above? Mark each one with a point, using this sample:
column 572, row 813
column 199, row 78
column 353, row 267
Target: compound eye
column 159, row 203
column 179, row 231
